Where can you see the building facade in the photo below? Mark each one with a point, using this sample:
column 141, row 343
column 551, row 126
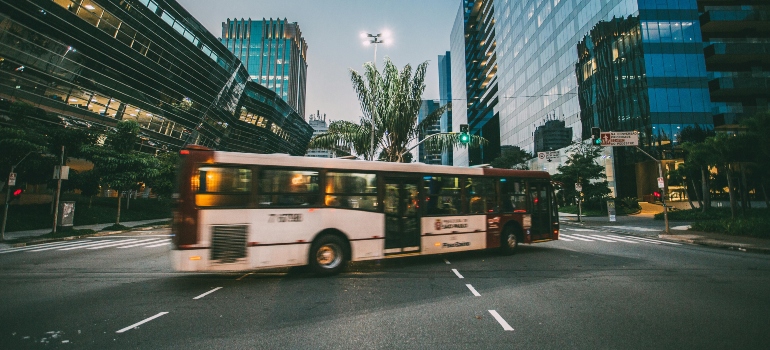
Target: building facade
column 427, row 107
column 552, row 135
column 274, row 53
column 102, row 61
column 318, row 123
column 445, row 98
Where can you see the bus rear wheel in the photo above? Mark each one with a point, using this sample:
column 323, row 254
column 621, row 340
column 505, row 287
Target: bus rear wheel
column 327, row 255
column 509, row 240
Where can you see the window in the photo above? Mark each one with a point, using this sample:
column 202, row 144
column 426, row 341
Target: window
column 222, row 187
column 481, row 195
column 109, row 24
column 442, row 195
column 90, row 12
column 351, row 190
column 513, row 195
column 288, row 188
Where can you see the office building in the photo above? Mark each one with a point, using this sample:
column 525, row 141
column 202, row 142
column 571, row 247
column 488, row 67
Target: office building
column 427, row 107
column 274, row 53
column 552, row 135
column 445, row 98
column 318, row 123
column 102, row 61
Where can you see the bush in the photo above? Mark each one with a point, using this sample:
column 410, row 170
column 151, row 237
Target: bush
column 746, row 226
column 630, row 203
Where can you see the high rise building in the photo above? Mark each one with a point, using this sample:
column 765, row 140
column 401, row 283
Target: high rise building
column 94, row 63
column 445, row 98
column 620, row 65
column 318, row 123
column 274, row 53
column 427, row 107
column 552, row 135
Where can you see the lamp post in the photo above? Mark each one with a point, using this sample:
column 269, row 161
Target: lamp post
column 373, row 39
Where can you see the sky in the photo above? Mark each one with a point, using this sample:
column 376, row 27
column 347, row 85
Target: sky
column 419, row 31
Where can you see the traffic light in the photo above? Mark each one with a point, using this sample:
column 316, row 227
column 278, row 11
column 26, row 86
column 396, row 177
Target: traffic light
column 464, row 136
column 15, row 194
column 596, row 136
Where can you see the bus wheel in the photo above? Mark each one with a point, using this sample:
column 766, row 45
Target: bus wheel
column 509, row 240
column 327, row 255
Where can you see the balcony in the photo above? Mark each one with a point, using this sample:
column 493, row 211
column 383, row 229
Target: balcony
column 737, row 54
column 739, row 88
column 716, row 22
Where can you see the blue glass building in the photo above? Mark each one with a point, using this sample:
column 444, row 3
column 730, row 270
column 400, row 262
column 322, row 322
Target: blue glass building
column 445, row 97
column 274, row 53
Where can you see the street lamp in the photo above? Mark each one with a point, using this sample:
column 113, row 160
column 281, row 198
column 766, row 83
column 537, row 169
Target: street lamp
column 373, row 39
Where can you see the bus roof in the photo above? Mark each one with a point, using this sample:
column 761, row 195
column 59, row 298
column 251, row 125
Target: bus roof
column 284, row 160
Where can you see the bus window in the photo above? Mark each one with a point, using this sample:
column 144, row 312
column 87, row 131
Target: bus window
column 351, row 190
column 288, row 188
column 442, row 195
column 222, row 187
column 481, row 195
column 513, row 195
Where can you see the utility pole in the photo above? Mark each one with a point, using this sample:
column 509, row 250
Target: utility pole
column 58, row 193
column 663, row 188
column 8, row 196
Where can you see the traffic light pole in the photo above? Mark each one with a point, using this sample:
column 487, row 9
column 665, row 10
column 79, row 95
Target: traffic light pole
column 7, row 199
column 425, row 139
column 662, row 190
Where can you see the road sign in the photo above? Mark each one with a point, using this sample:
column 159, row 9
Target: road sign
column 578, row 187
column 620, row 138
column 661, row 183
column 548, row 156
column 12, row 179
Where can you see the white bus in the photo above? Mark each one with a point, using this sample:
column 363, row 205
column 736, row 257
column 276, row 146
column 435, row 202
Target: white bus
column 239, row 211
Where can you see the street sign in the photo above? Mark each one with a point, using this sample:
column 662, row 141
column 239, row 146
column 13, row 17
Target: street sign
column 620, row 138
column 12, row 179
column 661, row 183
column 548, row 156
column 611, row 210
column 578, row 187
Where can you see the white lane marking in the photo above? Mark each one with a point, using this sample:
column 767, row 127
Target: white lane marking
column 681, row 227
column 473, row 290
column 447, row 261
column 141, row 322
column 500, row 320
column 146, row 242
column 457, row 273
column 244, row 276
column 599, row 238
column 578, row 238
column 580, row 229
column 159, row 244
column 125, row 241
column 620, row 239
column 634, row 228
column 616, row 237
column 89, row 244
column 70, row 244
column 36, row 246
column 654, row 241
column 561, row 238
column 207, row 293
column 134, row 236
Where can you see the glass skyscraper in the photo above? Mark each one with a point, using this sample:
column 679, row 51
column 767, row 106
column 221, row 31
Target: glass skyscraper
column 445, row 97
column 274, row 53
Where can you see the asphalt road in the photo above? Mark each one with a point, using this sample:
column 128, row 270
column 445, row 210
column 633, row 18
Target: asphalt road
column 591, row 290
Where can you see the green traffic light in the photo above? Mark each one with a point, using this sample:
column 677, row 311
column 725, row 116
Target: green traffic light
column 465, row 138
column 598, row 142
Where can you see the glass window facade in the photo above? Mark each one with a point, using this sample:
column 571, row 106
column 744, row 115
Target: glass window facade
column 138, row 60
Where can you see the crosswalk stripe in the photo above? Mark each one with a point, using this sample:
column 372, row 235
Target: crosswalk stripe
column 634, row 238
column 562, row 238
column 578, row 238
column 68, row 245
column 114, row 244
column 595, row 237
column 653, row 240
column 36, row 246
column 159, row 244
column 146, row 242
column 616, row 238
column 88, row 244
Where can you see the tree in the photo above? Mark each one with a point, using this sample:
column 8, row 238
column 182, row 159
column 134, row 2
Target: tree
column 391, row 101
column 164, row 183
column 581, row 167
column 118, row 165
column 698, row 160
column 511, row 157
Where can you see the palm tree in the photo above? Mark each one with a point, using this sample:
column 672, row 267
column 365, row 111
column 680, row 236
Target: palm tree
column 391, row 100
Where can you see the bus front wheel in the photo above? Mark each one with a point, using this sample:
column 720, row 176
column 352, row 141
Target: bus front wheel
column 327, row 255
column 509, row 240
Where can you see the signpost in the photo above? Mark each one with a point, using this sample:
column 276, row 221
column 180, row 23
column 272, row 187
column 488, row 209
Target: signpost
column 12, row 179
column 611, row 210
column 548, row 156
column 620, row 138
column 661, row 183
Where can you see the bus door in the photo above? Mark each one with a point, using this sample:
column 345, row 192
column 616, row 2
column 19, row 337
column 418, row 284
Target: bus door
column 402, row 219
column 540, row 204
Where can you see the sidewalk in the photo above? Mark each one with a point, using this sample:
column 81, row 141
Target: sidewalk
column 643, row 225
column 96, row 227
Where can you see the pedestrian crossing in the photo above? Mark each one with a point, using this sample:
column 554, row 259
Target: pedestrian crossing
column 583, row 235
column 90, row 244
